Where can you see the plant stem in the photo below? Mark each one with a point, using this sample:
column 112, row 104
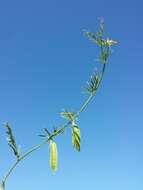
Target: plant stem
column 59, row 131
column 21, row 158
column 85, row 104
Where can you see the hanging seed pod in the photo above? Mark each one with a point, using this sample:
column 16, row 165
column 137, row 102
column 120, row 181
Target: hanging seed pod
column 76, row 137
column 1, row 187
column 53, row 156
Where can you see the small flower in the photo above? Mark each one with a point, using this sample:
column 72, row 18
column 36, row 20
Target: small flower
column 109, row 42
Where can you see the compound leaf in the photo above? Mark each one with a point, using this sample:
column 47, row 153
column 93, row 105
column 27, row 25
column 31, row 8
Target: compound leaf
column 11, row 141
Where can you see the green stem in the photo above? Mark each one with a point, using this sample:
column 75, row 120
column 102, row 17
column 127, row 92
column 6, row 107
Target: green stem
column 9, row 172
column 21, row 158
column 84, row 106
column 31, row 150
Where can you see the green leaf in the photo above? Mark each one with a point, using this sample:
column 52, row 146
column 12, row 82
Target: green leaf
column 93, row 84
column 47, row 132
column 105, row 55
column 101, row 30
column 97, row 38
column 11, row 140
column 68, row 115
column 76, row 137
column 91, row 36
column 53, row 156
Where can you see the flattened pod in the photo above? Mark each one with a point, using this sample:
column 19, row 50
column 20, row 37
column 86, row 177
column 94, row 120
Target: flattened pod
column 53, row 156
column 1, row 187
column 76, row 137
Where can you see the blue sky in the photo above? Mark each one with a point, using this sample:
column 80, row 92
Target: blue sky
column 45, row 61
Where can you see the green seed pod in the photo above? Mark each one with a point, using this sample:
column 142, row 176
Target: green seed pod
column 76, row 137
column 53, row 156
column 1, row 187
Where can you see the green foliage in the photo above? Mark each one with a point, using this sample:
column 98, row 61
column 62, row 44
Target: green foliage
column 103, row 58
column 92, row 85
column 105, row 45
column 98, row 37
column 70, row 116
column 45, row 133
column 11, row 141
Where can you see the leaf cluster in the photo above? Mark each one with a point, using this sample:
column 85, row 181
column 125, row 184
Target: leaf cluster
column 70, row 116
column 11, row 141
column 105, row 45
column 92, row 85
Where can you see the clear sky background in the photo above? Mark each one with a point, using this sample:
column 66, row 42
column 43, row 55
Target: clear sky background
column 45, row 61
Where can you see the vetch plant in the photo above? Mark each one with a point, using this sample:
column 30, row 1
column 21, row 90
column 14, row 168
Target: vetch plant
column 70, row 117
